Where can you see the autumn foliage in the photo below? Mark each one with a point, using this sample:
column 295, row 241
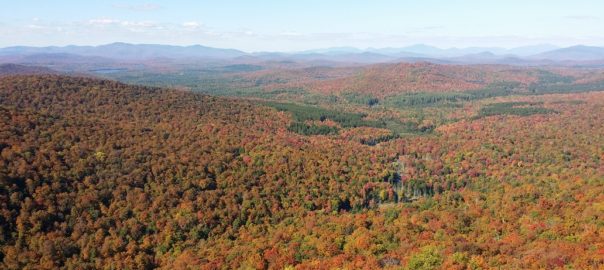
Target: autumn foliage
column 96, row 174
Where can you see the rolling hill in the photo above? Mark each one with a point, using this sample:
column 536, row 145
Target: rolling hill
column 97, row 173
column 390, row 79
column 385, row 80
column 14, row 69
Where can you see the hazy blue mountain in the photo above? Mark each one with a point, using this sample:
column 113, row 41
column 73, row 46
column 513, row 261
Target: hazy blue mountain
column 574, row 53
column 449, row 52
column 531, row 50
column 359, row 57
column 129, row 51
column 138, row 53
column 397, row 52
column 332, row 51
column 422, row 50
column 481, row 57
column 364, row 57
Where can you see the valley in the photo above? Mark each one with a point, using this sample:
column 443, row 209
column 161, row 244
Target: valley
column 301, row 135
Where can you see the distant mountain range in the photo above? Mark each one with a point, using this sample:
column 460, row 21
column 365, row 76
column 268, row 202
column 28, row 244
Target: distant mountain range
column 430, row 51
column 128, row 51
column 528, row 55
column 421, row 50
column 575, row 53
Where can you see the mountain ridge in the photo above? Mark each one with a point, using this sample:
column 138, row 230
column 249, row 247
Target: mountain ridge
column 525, row 55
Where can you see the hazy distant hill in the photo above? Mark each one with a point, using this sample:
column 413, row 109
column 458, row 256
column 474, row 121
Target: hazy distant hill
column 129, row 51
column 575, row 53
column 141, row 53
column 434, row 52
column 334, row 50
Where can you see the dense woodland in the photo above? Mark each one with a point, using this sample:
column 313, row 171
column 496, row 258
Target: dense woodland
column 96, row 174
column 395, row 85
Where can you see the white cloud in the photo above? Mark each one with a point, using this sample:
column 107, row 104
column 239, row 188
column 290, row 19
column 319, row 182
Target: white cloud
column 290, row 34
column 103, row 21
column 141, row 24
column 191, row 25
column 142, row 7
column 133, row 26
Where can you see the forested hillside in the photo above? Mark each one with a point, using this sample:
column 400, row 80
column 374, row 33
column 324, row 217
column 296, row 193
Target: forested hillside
column 96, row 174
column 391, row 85
column 14, row 69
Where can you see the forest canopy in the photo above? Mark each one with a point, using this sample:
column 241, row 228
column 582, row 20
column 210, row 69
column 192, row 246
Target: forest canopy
column 97, row 174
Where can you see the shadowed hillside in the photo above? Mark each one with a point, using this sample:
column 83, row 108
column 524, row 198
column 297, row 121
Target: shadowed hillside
column 14, row 69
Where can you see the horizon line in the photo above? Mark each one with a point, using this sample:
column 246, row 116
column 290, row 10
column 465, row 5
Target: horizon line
column 365, row 49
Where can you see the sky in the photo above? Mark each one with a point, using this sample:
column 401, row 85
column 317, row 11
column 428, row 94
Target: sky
column 294, row 25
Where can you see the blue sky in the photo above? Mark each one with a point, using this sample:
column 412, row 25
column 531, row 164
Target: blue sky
column 289, row 25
